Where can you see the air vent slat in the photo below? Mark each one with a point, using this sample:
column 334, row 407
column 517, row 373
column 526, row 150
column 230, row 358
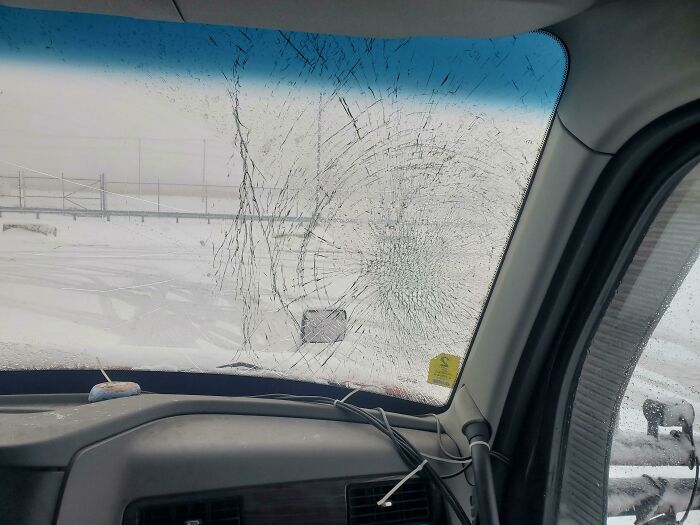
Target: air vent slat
column 410, row 505
column 407, row 493
column 387, row 513
column 419, row 502
column 187, row 509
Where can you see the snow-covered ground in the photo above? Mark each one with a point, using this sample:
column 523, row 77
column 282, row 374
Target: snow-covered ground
column 149, row 295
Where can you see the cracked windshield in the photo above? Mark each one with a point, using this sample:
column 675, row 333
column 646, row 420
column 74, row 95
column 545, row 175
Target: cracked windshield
column 194, row 198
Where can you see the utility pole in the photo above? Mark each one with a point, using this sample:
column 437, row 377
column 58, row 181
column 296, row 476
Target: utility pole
column 139, row 167
column 204, row 171
column 103, row 195
column 20, row 183
column 318, row 151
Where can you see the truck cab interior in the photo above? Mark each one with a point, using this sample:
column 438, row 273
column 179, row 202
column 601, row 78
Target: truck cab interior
column 368, row 263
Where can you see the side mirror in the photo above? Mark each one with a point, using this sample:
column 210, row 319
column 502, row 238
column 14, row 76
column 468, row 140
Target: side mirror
column 672, row 414
column 668, row 414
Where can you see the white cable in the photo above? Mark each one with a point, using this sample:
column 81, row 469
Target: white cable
column 99, row 365
column 438, row 428
column 386, row 420
column 384, row 501
column 472, row 443
column 351, row 393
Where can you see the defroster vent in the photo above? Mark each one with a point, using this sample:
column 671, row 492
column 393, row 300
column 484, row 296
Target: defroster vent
column 185, row 510
column 412, row 504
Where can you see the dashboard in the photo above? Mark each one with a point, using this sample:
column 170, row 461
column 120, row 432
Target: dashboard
column 196, row 460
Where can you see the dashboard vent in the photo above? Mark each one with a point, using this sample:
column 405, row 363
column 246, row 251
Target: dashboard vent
column 185, row 511
column 410, row 505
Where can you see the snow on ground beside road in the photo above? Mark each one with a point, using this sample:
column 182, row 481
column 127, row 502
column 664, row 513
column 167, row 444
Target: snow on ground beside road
column 144, row 295
column 101, row 284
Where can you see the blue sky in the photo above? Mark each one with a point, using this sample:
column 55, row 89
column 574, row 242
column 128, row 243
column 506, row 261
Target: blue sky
column 525, row 69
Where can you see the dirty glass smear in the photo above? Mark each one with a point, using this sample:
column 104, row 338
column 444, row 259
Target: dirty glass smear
column 244, row 201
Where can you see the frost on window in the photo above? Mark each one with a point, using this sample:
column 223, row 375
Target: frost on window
column 321, row 208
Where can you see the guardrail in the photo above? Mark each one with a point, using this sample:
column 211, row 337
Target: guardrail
column 143, row 214
column 99, row 197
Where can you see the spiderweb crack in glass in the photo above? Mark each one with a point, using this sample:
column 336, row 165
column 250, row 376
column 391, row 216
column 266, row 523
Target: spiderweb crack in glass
column 379, row 178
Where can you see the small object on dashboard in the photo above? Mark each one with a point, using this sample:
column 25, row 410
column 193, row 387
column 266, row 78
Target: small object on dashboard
column 113, row 390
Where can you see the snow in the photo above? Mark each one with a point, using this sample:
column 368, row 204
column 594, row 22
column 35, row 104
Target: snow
column 135, row 294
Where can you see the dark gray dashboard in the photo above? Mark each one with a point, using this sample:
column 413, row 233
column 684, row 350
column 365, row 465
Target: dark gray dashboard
column 85, row 463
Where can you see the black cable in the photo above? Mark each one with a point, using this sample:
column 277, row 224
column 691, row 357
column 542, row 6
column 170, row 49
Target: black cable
column 697, row 473
column 409, row 454
column 457, row 473
column 412, row 457
column 695, row 487
column 501, row 457
column 438, row 429
column 469, row 481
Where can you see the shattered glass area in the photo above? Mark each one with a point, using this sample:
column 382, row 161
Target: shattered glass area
column 375, row 180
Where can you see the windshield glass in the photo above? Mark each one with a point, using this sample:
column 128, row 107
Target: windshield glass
column 197, row 198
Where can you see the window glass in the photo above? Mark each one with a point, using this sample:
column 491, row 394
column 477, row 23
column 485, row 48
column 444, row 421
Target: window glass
column 218, row 199
column 663, row 391
column 630, row 456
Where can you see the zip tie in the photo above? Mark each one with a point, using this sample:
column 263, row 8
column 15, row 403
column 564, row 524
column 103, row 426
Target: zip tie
column 384, row 502
column 485, row 443
column 344, row 399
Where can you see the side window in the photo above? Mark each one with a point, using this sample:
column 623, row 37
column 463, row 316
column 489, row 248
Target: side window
column 630, row 456
column 652, row 462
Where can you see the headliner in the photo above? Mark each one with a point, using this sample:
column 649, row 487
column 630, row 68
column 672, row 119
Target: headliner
column 372, row 18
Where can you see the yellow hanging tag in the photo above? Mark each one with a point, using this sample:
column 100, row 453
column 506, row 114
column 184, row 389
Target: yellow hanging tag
column 443, row 370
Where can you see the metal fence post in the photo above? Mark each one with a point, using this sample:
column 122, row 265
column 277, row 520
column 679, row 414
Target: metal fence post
column 103, row 196
column 139, row 167
column 63, row 192
column 20, row 188
column 158, row 193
